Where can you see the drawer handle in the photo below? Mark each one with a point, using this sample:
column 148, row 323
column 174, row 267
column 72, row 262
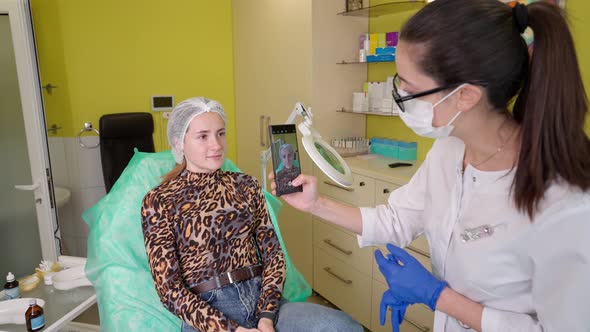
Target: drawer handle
column 362, row 184
column 346, row 281
column 339, row 187
column 386, row 191
column 346, row 252
column 418, row 251
column 418, row 326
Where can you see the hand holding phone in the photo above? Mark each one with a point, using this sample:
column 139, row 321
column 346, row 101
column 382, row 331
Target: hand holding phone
column 285, row 157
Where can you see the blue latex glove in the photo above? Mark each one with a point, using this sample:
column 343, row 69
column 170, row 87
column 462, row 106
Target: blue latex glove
column 398, row 310
column 409, row 281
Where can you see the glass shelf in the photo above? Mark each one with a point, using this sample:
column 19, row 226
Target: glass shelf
column 386, row 8
column 366, row 113
column 344, row 62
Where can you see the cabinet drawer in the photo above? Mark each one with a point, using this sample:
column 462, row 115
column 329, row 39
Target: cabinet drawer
column 343, row 246
column 420, row 245
column 343, row 286
column 419, row 318
column 361, row 193
column 425, row 261
column 383, row 190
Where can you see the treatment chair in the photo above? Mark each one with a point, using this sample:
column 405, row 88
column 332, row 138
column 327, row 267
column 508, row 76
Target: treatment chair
column 119, row 135
column 117, row 263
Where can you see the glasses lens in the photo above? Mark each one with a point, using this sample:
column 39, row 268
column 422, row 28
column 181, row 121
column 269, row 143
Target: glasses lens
column 395, row 93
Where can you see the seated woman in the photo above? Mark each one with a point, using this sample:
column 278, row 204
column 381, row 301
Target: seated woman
column 213, row 253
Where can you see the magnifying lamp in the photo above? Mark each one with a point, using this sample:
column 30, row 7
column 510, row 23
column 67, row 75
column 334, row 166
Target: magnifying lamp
column 320, row 152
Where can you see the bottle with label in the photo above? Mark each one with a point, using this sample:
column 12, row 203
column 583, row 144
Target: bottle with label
column 34, row 317
column 11, row 287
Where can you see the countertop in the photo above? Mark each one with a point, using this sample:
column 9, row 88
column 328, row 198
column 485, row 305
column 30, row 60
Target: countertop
column 376, row 166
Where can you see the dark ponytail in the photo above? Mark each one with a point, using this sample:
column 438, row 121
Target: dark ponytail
column 479, row 40
column 551, row 109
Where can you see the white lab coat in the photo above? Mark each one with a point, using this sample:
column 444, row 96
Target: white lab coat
column 530, row 276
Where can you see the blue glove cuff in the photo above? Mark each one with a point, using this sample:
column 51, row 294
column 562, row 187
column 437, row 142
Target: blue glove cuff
column 436, row 294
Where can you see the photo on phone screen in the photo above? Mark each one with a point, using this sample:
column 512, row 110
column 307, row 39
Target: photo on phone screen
column 285, row 157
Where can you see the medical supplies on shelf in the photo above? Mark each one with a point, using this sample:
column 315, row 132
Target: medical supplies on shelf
column 350, row 146
column 378, row 47
column 375, row 98
column 394, row 149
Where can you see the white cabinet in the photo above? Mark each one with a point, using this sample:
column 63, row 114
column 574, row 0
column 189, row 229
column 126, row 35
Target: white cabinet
column 347, row 275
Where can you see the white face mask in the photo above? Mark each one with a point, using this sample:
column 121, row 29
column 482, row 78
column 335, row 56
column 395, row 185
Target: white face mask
column 419, row 114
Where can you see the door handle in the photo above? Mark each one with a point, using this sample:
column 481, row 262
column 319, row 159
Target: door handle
column 261, row 126
column 267, row 124
column 27, row 187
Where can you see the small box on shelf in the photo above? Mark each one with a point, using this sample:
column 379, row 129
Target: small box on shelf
column 394, row 149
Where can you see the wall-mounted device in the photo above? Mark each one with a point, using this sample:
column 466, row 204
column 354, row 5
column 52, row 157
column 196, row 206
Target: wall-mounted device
column 162, row 103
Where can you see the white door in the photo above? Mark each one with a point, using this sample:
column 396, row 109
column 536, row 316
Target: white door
column 27, row 215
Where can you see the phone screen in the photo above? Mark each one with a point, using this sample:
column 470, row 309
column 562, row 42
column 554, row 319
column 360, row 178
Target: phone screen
column 285, row 157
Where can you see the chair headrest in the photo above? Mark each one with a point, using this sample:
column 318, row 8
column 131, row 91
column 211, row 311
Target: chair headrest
column 126, row 125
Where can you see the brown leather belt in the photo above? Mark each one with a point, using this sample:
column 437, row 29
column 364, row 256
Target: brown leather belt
column 227, row 278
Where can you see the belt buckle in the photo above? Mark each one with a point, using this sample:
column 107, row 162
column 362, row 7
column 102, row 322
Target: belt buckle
column 229, row 277
column 251, row 271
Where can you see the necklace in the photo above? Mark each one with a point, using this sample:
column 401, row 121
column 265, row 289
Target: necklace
column 497, row 150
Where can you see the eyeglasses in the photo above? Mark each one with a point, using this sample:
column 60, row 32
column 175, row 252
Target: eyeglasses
column 399, row 100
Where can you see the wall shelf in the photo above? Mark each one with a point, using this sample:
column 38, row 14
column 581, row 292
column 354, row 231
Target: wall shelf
column 365, row 113
column 344, row 62
column 386, row 8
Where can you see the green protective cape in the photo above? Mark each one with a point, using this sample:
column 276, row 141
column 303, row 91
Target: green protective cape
column 117, row 263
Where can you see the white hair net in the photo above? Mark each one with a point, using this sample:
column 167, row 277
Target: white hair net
column 182, row 115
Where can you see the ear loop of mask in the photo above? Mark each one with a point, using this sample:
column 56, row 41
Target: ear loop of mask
column 445, row 98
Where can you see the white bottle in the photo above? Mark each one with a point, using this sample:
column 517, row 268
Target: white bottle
column 11, row 287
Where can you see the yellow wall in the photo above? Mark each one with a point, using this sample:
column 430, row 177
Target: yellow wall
column 577, row 11
column 110, row 56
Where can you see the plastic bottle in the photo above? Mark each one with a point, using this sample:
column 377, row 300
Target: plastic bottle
column 34, row 317
column 11, row 287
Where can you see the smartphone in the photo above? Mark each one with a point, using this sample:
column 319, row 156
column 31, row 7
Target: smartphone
column 285, row 157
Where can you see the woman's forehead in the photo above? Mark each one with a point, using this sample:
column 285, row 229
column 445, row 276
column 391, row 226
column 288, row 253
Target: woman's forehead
column 408, row 68
column 209, row 121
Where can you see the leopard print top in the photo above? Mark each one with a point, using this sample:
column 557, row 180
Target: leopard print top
column 200, row 225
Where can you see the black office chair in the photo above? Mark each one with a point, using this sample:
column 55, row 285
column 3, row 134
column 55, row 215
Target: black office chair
column 119, row 135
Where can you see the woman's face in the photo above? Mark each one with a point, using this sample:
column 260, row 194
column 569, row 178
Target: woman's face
column 414, row 80
column 287, row 157
column 205, row 143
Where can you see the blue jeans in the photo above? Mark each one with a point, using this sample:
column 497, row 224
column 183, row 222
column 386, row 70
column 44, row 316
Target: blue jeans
column 238, row 302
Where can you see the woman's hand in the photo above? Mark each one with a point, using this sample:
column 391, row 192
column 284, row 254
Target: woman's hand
column 304, row 201
column 408, row 280
column 265, row 325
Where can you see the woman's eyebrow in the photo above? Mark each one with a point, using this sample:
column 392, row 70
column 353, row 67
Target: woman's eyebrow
column 405, row 81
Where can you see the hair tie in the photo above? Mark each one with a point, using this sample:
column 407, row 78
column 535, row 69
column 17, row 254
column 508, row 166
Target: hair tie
column 521, row 17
